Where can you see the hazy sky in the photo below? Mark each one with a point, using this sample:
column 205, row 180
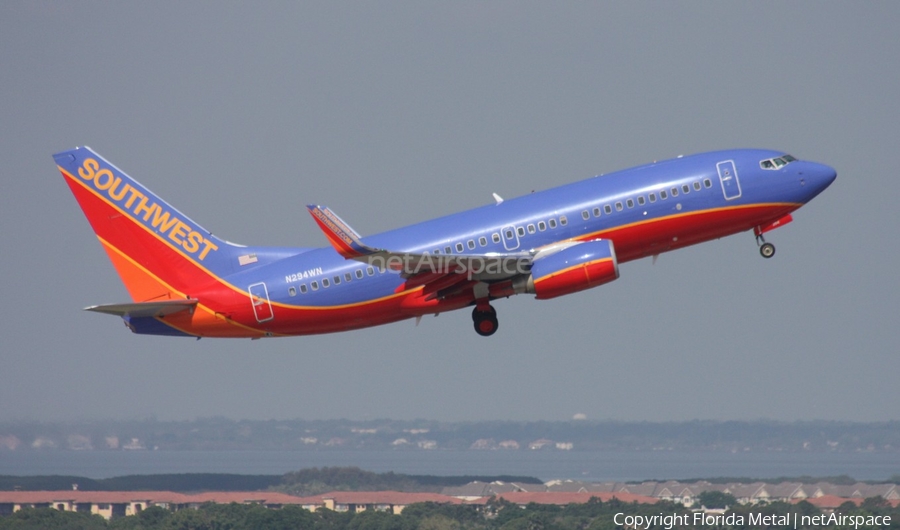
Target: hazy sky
column 396, row 112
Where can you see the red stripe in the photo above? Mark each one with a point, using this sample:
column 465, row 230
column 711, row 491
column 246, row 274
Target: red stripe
column 654, row 237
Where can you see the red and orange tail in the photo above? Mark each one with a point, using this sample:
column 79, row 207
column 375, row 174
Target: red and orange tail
column 159, row 252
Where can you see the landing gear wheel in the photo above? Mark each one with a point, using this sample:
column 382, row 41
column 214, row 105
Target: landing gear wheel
column 767, row 250
column 486, row 323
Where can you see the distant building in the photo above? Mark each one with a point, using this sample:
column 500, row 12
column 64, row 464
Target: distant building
column 540, row 444
column 484, row 443
column 384, row 501
column 111, row 504
column 686, row 493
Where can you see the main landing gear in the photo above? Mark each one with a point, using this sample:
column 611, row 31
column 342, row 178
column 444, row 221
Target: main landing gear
column 766, row 250
column 485, row 319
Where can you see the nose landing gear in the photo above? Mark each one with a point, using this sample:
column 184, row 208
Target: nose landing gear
column 485, row 319
column 766, row 250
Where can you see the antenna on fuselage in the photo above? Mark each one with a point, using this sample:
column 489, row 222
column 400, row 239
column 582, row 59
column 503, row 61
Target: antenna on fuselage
column 497, row 198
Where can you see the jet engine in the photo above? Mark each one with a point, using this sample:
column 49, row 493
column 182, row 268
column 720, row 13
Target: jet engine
column 573, row 268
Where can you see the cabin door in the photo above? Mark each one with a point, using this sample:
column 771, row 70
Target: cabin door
column 728, row 176
column 259, row 298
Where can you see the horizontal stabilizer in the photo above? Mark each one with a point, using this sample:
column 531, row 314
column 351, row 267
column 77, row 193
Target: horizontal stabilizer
column 145, row 309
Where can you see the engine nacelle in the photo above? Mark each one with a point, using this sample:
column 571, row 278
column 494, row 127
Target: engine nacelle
column 574, row 268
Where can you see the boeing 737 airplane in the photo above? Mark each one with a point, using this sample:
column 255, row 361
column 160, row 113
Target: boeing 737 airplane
column 185, row 282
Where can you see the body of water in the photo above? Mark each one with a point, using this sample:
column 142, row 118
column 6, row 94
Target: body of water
column 545, row 465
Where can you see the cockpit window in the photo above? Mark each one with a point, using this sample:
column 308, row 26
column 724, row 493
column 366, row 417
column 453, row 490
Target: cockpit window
column 777, row 162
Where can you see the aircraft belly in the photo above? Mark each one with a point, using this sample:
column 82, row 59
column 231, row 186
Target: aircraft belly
column 642, row 239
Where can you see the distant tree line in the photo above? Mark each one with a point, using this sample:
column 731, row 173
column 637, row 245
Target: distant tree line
column 313, row 481
column 316, row 480
column 180, row 482
column 310, row 481
column 497, row 515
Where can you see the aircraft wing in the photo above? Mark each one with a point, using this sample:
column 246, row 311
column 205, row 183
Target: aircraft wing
column 427, row 268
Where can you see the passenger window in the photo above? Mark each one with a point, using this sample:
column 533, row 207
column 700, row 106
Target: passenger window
column 495, row 237
column 630, row 203
column 437, row 251
column 542, row 226
column 370, row 271
column 597, row 212
column 652, row 197
column 585, row 215
column 471, row 244
column 641, row 200
column 337, row 280
column 607, row 208
column 707, row 183
column 325, row 282
column 521, row 231
column 292, row 291
column 662, row 195
column 482, row 241
column 303, row 288
column 552, row 223
column 448, row 250
column 563, row 221
column 460, row 247
column 314, row 285
column 619, row 207
column 359, row 274
column 509, row 234
column 531, row 229
column 674, row 192
column 697, row 186
column 686, row 188
column 347, row 277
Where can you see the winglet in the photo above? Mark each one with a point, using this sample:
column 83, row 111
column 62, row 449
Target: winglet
column 343, row 238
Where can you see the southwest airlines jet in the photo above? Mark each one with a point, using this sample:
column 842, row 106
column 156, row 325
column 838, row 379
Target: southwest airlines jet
column 186, row 282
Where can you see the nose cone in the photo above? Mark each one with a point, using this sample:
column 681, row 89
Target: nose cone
column 815, row 178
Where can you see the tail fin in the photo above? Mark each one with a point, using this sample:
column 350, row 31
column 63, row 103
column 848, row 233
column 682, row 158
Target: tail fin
column 159, row 252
